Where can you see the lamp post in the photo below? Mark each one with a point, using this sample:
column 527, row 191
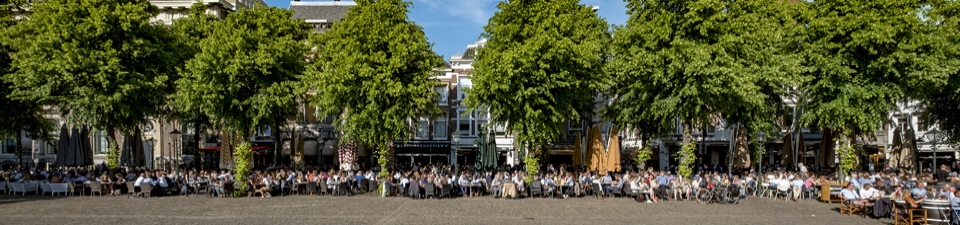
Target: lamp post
column 455, row 144
column 761, row 137
column 175, row 136
column 933, row 136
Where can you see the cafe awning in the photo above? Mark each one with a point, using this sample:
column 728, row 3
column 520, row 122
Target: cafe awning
column 217, row 148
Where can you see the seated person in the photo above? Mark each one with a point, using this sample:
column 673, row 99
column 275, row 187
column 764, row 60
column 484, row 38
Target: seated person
column 851, row 197
column 869, row 193
column 919, row 193
column 955, row 201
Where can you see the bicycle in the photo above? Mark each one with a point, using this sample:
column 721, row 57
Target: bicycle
column 729, row 194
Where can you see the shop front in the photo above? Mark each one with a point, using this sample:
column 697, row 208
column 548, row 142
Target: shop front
column 423, row 152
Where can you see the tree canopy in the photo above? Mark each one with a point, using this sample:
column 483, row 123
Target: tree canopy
column 102, row 62
column 940, row 102
column 374, row 73
column 542, row 65
column 864, row 56
column 696, row 59
column 16, row 114
column 245, row 72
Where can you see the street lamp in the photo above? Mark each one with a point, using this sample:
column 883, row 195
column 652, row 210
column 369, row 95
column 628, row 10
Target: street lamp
column 455, row 144
column 933, row 136
column 761, row 137
column 175, row 138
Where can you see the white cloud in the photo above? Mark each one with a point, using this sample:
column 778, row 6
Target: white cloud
column 475, row 11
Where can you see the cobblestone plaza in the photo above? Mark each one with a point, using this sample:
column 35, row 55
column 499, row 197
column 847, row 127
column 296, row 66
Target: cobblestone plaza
column 367, row 209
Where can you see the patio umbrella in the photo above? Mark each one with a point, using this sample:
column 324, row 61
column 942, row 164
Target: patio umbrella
column 896, row 148
column 830, row 154
column 786, row 155
column 613, row 150
column 63, row 145
column 577, row 152
column 86, row 149
column 139, row 157
column 73, row 150
column 126, row 158
column 908, row 152
column 491, row 160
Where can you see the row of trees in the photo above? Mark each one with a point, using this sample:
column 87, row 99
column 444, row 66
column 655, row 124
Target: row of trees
column 845, row 62
column 104, row 63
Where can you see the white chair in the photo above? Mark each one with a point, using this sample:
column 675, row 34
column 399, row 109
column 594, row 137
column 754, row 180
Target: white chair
column 3, row 187
column 17, row 187
column 46, row 188
column 60, row 188
column 30, row 187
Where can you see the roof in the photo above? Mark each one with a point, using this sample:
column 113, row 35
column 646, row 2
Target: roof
column 331, row 11
column 470, row 54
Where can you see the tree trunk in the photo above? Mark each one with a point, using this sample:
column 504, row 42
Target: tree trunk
column 112, row 144
column 226, row 149
column 197, row 157
column 20, row 149
column 277, row 143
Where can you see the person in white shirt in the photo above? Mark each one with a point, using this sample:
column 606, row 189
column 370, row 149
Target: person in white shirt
column 140, row 179
column 851, row 196
column 162, row 182
column 404, row 181
column 868, row 192
column 370, row 175
column 801, row 168
column 783, row 185
column 797, row 185
column 464, row 184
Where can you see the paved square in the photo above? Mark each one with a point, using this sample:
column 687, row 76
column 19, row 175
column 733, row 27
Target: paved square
column 367, row 209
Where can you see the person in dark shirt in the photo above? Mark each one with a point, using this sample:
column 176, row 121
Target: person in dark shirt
column 942, row 174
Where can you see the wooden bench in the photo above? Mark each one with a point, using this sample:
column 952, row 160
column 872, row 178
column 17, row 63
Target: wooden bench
column 850, row 208
column 831, row 192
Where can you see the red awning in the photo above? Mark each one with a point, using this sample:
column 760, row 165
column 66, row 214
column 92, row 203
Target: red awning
column 217, row 148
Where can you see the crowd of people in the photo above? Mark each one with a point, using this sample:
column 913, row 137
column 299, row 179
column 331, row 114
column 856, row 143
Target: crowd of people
column 464, row 181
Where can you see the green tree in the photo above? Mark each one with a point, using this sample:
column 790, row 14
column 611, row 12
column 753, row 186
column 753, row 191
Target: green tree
column 17, row 116
column 245, row 72
column 940, row 104
column 101, row 62
column 190, row 31
column 542, row 65
column 864, row 57
column 374, row 73
column 700, row 60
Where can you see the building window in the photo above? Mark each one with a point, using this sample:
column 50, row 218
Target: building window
column 9, row 144
column 922, row 125
column 576, row 124
column 263, row 133
column 463, row 84
column 904, row 125
column 440, row 128
column 463, row 122
column 50, row 147
column 100, row 145
column 500, row 129
column 423, row 128
column 442, row 94
column 482, row 117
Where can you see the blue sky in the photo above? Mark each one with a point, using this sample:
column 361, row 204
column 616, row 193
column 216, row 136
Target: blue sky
column 453, row 24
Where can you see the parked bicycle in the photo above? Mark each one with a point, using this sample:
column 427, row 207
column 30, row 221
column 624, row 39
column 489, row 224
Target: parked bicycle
column 723, row 194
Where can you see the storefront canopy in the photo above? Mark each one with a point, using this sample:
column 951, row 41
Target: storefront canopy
column 217, row 148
